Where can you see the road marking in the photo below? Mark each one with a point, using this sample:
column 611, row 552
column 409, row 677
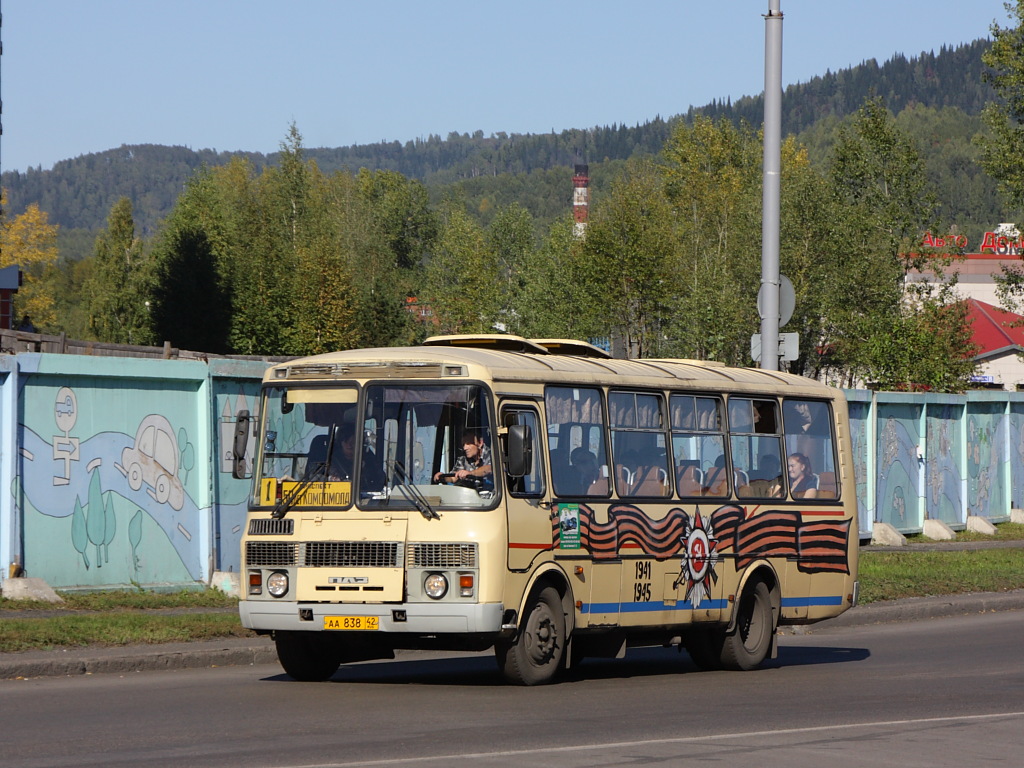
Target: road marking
column 676, row 740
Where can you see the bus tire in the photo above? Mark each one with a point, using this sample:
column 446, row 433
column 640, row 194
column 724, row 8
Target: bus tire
column 535, row 656
column 748, row 644
column 309, row 657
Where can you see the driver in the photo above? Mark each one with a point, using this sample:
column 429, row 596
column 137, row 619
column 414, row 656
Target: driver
column 475, row 461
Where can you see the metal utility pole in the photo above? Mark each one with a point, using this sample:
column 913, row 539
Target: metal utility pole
column 770, row 196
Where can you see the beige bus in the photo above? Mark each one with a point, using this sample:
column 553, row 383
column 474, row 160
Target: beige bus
column 543, row 499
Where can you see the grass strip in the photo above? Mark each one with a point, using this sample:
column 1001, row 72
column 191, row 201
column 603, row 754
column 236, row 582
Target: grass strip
column 893, row 575
column 1004, row 532
column 115, row 628
column 122, row 599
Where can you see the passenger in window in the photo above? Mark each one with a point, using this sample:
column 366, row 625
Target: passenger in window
column 343, row 463
column 769, row 469
column 803, row 418
column 473, row 466
column 803, row 483
column 584, row 463
column 768, row 482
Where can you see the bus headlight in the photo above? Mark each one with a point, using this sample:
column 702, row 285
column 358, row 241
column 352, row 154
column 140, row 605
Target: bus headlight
column 277, row 583
column 435, row 585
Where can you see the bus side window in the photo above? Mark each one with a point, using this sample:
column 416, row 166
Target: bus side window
column 638, row 443
column 810, row 442
column 532, row 483
column 698, row 445
column 756, row 448
column 575, row 421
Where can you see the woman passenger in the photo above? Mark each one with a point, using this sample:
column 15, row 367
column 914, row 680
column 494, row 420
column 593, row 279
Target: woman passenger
column 803, row 483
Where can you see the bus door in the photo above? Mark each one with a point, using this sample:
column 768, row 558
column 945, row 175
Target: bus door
column 530, row 525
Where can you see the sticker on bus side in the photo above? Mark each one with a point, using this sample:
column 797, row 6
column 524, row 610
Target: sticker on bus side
column 569, row 526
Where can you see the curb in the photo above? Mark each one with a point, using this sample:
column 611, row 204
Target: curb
column 137, row 658
column 252, row 651
column 920, row 608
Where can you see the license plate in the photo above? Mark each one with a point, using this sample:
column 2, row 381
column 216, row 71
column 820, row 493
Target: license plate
column 351, row 622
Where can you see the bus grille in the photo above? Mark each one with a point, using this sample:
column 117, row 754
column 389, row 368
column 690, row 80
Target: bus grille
column 271, row 527
column 359, row 554
column 364, row 554
column 441, row 556
column 271, row 554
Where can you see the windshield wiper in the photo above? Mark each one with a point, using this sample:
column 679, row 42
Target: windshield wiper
column 412, row 493
column 318, row 474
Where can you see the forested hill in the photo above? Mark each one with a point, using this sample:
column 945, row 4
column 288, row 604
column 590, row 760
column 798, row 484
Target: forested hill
column 79, row 193
column 950, row 78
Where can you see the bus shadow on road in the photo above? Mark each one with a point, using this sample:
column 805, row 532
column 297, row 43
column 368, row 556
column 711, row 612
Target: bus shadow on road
column 808, row 655
column 480, row 670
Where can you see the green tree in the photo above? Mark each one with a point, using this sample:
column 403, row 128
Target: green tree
column 1003, row 149
column 712, row 174
column 510, row 239
column 884, row 327
column 397, row 227
column 325, row 302
column 462, row 277
column 630, row 246
column 192, row 302
column 558, row 298
column 118, row 286
column 30, row 241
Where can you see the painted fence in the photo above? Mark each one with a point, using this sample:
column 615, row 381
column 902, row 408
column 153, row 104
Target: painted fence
column 939, row 457
column 118, row 471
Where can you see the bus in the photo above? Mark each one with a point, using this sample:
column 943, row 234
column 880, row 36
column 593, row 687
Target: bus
column 543, row 499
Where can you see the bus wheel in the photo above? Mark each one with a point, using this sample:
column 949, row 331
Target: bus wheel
column 536, row 654
column 309, row 657
column 748, row 644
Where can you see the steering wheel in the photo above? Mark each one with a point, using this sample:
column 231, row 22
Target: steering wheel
column 469, row 481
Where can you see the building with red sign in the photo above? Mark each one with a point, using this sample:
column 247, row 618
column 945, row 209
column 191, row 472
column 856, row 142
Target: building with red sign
column 997, row 333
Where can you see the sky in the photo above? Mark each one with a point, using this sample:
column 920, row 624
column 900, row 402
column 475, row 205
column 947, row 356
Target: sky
column 79, row 77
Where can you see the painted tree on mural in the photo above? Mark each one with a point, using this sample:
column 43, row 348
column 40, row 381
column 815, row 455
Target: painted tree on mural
column 94, row 524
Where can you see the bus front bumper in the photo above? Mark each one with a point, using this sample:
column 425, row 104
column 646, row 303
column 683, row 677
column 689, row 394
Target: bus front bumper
column 407, row 618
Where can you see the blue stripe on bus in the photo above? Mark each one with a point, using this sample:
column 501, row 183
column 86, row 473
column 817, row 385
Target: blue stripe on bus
column 787, row 602
column 654, row 605
column 802, row 602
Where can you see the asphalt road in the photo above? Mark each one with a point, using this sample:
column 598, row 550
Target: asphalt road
column 932, row 692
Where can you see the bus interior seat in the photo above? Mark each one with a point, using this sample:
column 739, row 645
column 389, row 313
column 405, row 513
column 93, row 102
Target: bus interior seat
column 316, row 456
column 689, row 478
column 760, row 489
column 623, row 480
column 653, row 482
column 826, row 485
column 715, row 482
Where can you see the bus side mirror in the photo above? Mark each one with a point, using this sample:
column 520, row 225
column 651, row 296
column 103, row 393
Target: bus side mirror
column 242, row 419
column 520, row 450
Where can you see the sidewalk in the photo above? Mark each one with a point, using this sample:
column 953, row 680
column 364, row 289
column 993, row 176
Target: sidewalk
column 260, row 650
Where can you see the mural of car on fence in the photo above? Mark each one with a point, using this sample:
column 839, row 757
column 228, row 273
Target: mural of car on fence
column 154, row 460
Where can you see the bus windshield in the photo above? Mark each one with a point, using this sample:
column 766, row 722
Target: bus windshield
column 408, row 445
